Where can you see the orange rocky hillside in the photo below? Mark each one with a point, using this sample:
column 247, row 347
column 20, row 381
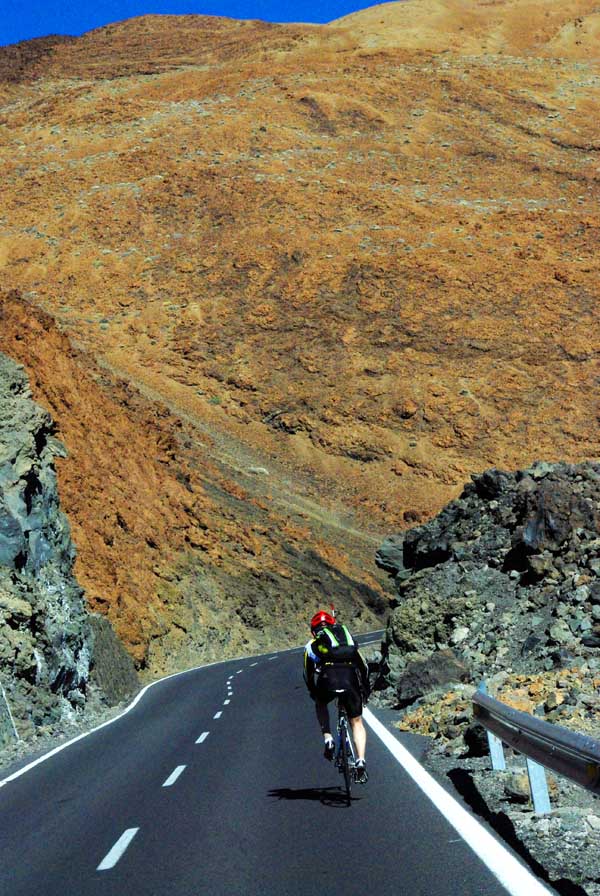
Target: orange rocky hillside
column 528, row 28
column 186, row 563
column 361, row 257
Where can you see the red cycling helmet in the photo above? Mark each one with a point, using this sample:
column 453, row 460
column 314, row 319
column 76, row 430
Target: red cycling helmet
column 321, row 618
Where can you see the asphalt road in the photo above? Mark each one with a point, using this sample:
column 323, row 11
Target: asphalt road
column 215, row 783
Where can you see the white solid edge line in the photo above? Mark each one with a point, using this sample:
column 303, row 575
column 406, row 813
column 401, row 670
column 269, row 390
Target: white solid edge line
column 132, row 705
column 74, row 740
column 174, row 775
column 514, row 876
column 217, row 715
column 127, row 709
column 203, row 737
column 113, row 856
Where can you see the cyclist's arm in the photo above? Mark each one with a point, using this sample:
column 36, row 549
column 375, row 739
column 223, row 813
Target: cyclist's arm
column 309, row 669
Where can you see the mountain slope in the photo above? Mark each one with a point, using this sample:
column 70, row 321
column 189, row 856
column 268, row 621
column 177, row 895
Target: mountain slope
column 190, row 559
column 362, row 261
column 532, row 28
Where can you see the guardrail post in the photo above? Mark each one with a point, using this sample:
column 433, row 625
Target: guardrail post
column 568, row 753
column 539, row 787
column 494, row 743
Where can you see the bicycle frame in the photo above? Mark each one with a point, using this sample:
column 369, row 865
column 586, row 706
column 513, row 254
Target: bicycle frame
column 345, row 758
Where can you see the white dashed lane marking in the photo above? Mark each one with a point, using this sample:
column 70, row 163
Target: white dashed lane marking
column 239, row 671
column 173, row 776
column 226, row 702
column 203, row 737
column 253, row 664
column 217, row 715
column 113, row 856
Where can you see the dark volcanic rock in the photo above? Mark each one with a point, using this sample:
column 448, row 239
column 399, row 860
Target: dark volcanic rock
column 507, row 578
column 422, row 676
column 46, row 643
column 507, row 575
column 112, row 668
column 390, row 555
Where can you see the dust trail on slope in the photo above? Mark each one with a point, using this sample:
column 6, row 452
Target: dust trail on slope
column 235, row 457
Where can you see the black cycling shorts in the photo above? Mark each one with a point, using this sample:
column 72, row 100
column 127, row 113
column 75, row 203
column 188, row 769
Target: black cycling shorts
column 332, row 681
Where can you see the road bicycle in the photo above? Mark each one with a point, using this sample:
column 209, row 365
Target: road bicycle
column 345, row 760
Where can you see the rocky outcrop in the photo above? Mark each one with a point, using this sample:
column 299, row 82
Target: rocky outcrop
column 112, row 671
column 505, row 578
column 46, row 643
column 504, row 585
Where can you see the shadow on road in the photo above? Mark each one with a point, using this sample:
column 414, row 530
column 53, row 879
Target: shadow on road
column 328, row 796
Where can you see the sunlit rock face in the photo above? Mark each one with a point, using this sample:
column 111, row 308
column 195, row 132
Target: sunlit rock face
column 45, row 637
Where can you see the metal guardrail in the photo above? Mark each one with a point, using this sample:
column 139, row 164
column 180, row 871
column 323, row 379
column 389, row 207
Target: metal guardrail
column 575, row 756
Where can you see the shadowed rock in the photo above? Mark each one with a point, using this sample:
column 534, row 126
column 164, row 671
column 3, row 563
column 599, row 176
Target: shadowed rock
column 422, row 676
column 507, row 575
column 46, row 643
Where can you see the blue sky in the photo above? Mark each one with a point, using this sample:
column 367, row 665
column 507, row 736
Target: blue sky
column 24, row 19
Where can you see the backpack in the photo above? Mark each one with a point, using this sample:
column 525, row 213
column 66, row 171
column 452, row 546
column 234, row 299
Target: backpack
column 334, row 644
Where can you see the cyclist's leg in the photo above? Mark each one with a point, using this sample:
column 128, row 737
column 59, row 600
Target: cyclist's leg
column 354, row 707
column 322, row 700
column 359, row 736
column 322, row 709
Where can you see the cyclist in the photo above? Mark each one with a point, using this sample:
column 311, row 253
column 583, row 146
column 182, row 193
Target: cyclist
column 333, row 663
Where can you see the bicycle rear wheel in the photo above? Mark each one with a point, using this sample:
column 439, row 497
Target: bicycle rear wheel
column 345, row 757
